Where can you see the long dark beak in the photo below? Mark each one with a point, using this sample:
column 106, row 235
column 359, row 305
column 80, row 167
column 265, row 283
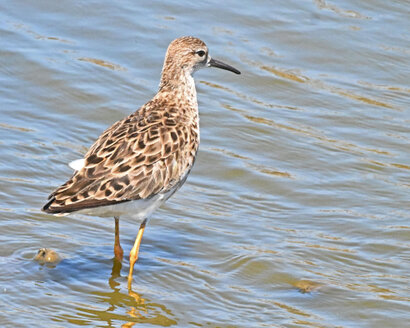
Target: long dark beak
column 219, row 64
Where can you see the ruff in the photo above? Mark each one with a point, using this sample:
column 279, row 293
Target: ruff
column 140, row 161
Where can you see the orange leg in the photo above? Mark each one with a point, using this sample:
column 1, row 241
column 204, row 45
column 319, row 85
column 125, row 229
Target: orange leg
column 118, row 252
column 135, row 250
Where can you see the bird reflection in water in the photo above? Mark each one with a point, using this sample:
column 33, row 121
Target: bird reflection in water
column 135, row 311
column 139, row 310
column 109, row 306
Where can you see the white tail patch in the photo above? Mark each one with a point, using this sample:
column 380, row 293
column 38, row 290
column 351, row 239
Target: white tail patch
column 77, row 165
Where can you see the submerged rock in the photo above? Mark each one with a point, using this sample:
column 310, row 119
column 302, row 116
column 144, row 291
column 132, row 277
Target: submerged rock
column 47, row 256
column 306, row 286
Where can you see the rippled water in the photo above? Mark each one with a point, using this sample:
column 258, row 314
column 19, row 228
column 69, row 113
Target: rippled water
column 296, row 213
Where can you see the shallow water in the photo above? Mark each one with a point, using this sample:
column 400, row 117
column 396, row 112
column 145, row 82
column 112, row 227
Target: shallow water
column 302, row 175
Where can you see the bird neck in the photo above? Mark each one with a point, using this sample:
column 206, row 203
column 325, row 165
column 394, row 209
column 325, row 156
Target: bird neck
column 178, row 83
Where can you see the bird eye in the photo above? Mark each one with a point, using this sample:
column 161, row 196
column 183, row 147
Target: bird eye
column 200, row 53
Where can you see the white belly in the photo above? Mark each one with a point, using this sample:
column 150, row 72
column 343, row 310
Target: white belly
column 137, row 209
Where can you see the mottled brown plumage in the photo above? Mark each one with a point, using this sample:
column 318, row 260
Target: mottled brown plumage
column 142, row 155
column 147, row 156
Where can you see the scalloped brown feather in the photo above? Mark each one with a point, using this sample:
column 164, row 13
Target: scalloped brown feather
column 142, row 155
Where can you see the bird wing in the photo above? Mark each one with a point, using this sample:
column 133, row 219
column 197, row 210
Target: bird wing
column 144, row 154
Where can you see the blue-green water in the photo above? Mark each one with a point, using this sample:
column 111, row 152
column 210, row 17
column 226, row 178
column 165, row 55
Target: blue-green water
column 302, row 173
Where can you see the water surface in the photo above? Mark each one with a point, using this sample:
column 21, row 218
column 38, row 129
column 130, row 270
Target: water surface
column 296, row 213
